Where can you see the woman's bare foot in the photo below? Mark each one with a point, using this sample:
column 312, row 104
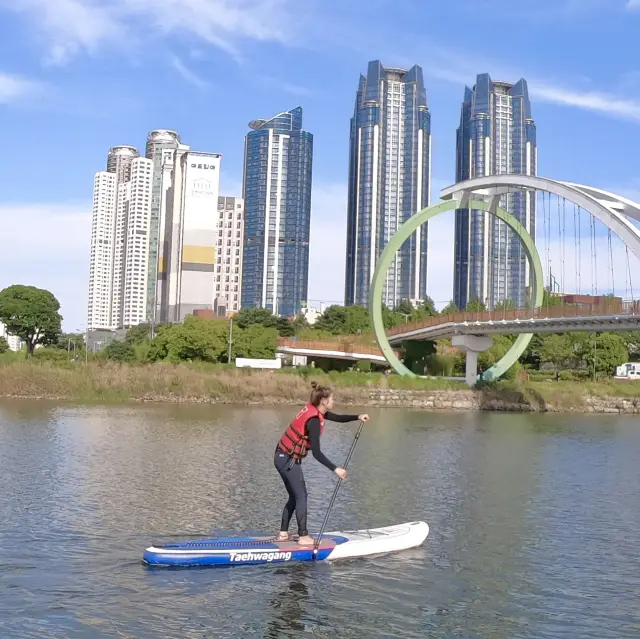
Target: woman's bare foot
column 306, row 541
column 282, row 536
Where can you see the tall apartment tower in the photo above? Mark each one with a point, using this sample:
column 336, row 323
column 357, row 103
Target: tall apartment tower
column 119, row 161
column 230, row 227
column 188, row 267
column 277, row 200
column 389, row 182
column 160, row 142
column 119, row 241
column 497, row 135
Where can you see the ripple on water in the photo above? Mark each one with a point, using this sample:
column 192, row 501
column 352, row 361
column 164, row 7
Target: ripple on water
column 534, row 525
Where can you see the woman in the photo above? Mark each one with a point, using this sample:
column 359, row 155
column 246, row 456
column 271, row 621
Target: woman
column 303, row 434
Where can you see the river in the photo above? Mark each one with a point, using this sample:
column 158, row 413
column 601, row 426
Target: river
column 534, row 524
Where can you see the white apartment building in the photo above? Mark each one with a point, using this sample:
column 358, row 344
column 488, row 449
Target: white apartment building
column 15, row 343
column 230, row 228
column 120, row 244
column 188, row 265
column 134, row 208
column 103, row 241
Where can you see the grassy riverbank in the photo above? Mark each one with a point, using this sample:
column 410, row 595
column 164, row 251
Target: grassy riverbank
column 111, row 382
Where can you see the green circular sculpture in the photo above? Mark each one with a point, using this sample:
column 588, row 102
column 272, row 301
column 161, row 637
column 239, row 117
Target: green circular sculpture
column 404, row 233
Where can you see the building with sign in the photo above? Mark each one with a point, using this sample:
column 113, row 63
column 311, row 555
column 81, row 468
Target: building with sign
column 161, row 144
column 277, row 201
column 188, row 264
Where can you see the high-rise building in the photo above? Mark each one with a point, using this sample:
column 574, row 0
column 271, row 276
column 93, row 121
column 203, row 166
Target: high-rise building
column 229, row 255
column 103, row 240
column 389, row 181
column 160, row 144
column 166, row 230
column 119, row 161
column 188, row 267
column 132, row 246
column 497, row 135
column 277, row 200
column 119, row 242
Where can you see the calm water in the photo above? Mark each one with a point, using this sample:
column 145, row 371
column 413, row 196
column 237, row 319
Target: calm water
column 535, row 525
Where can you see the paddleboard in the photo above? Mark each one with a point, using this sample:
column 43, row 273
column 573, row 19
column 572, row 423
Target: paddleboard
column 235, row 551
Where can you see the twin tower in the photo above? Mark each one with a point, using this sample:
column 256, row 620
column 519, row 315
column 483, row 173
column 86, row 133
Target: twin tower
column 390, row 181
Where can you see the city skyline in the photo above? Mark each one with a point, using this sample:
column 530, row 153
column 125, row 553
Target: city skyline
column 94, row 97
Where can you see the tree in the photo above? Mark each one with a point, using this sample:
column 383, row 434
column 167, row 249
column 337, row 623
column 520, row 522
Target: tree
column 344, row 320
column 450, row 308
column 505, row 305
column 300, row 324
column 254, row 342
column 404, row 307
column 551, row 300
column 501, row 344
column 428, row 307
column 4, row 345
column 416, row 354
column 138, row 334
column 120, row 351
column 246, row 317
column 606, row 350
column 556, row 349
column 30, row 313
column 476, row 306
column 208, row 341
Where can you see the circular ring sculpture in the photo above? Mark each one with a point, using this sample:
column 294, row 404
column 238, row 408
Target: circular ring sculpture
column 404, row 233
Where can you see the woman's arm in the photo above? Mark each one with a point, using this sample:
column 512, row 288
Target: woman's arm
column 313, row 428
column 343, row 419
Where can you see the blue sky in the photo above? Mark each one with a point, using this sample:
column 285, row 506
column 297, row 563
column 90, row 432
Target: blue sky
column 79, row 76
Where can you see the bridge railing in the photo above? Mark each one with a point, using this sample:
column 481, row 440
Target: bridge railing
column 348, row 348
column 544, row 312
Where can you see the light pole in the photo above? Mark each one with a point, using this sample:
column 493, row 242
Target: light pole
column 230, row 339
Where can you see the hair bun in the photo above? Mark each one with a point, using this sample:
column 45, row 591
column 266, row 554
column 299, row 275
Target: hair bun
column 314, row 384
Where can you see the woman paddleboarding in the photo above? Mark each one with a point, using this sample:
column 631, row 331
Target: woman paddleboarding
column 302, row 435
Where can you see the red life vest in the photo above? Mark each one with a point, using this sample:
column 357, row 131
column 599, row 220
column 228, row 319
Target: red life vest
column 295, row 440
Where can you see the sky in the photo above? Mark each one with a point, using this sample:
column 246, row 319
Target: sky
column 80, row 76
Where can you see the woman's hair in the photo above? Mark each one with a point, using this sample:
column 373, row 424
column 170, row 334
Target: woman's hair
column 319, row 393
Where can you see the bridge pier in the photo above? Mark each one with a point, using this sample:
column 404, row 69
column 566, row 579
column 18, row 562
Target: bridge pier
column 472, row 345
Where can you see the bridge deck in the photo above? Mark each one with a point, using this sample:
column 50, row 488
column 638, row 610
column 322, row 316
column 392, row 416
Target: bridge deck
column 553, row 319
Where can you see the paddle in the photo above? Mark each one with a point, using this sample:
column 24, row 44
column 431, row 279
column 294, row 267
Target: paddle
column 335, row 492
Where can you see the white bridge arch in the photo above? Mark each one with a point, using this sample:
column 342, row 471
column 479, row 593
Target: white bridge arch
column 611, row 209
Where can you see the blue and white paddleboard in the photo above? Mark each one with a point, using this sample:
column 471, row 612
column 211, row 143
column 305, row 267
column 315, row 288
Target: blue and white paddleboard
column 235, row 551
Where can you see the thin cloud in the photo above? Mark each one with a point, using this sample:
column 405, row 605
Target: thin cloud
column 601, row 102
column 610, row 104
column 283, row 86
column 14, row 88
column 188, row 75
column 70, row 27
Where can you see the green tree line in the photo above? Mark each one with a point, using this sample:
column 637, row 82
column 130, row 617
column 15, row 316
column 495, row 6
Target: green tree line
column 33, row 314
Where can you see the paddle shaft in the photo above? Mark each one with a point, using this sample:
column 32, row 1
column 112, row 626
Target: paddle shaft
column 335, row 492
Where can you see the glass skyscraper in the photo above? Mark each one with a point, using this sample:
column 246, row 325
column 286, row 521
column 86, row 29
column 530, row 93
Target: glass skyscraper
column 389, row 181
column 497, row 135
column 277, row 217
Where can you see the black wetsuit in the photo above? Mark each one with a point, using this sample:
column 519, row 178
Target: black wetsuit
column 293, row 478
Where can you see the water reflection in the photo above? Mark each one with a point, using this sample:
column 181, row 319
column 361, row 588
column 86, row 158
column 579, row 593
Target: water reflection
column 534, row 524
column 288, row 608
